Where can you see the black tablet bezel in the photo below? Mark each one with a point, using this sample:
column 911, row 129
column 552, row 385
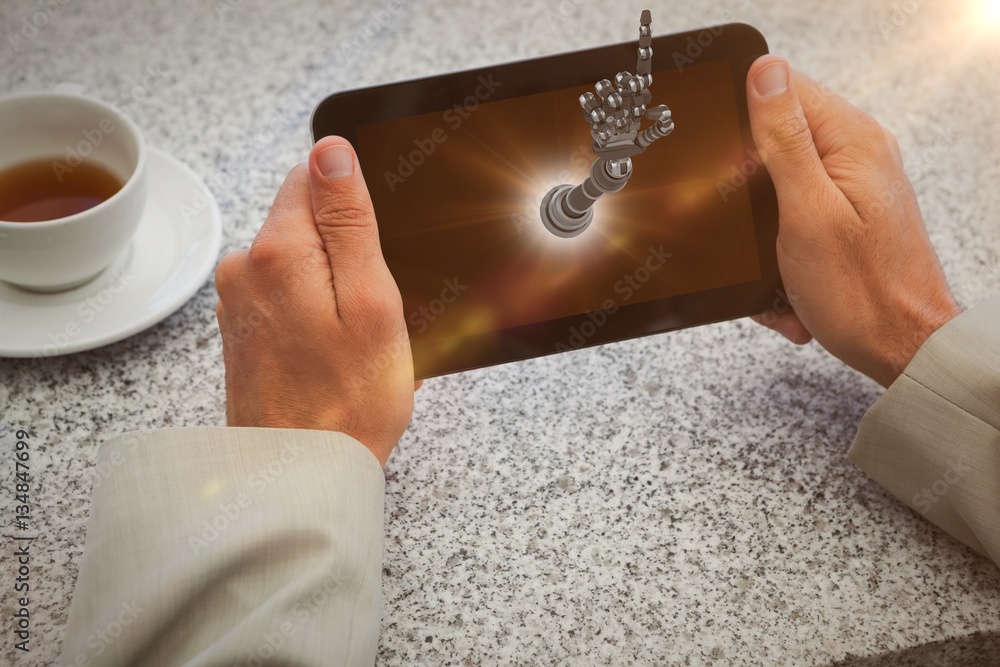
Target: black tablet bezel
column 738, row 44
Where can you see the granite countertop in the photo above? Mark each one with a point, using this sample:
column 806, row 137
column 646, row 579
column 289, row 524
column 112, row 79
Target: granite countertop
column 687, row 498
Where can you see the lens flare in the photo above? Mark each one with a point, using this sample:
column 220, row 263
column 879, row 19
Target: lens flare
column 991, row 12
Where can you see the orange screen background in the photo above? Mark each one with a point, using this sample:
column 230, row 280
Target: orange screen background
column 469, row 211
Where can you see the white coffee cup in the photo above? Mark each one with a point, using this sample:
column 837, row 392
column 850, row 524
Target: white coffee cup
column 66, row 128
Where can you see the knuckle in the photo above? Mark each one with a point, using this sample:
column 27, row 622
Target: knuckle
column 874, row 145
column 893, row 142
column 383, row 311
column 265, row 253
column 873, row 150
column 891, row 138
column 227, row 273
column 790, row 134
column 871, row 134
column 867, row 124
column 344, row 210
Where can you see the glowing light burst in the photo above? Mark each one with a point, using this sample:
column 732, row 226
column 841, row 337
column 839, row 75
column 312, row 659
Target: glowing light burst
column 991, row 12
column 546, row 274
column 481, row 203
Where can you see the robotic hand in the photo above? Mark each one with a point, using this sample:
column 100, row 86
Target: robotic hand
column 615, row 115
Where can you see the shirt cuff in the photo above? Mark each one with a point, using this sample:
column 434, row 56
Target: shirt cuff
column 933, row 438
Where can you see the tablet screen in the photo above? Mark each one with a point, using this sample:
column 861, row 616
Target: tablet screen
column 457, row 195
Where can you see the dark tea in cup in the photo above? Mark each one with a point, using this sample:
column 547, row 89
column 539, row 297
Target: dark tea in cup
column 36, row 190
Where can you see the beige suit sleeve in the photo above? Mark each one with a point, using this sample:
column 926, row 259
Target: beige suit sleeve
column 226, row 546
column 933, row 438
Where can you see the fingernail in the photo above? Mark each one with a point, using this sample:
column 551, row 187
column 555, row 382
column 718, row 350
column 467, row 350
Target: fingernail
column 772, row 80
column 336, row 162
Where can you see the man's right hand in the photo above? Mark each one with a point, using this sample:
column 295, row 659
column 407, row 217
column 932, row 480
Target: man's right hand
column 856, row 261
column 312, row 324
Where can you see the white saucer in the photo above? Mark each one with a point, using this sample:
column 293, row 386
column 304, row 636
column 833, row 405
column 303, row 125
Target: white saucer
column 172, row 254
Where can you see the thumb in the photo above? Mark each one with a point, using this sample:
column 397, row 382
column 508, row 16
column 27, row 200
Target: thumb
column 344, row 215
column 781, row 131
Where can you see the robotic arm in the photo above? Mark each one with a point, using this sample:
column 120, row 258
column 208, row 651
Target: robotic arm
column 615, row 114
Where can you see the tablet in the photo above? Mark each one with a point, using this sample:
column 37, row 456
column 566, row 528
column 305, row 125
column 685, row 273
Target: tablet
column 463, row 168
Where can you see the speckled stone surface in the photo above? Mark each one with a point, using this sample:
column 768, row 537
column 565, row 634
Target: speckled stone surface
column 687, row 500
